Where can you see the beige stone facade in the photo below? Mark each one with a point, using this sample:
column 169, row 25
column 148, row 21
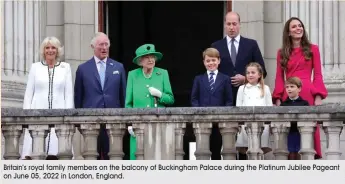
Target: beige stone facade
column 25, row 24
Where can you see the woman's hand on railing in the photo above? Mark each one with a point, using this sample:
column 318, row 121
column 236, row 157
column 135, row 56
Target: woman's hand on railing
column 278, row 102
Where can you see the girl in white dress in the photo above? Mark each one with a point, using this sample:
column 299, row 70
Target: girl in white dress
column 253, row 93
column 49, row 86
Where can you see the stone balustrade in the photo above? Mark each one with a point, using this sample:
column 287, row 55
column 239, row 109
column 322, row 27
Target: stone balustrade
column 160, row 131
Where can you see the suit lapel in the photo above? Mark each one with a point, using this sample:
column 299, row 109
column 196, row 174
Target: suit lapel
column 240, row 49
column 218, row 82
column 109, row 70
column 94, row 70
column 205, row 82
column 226, row 49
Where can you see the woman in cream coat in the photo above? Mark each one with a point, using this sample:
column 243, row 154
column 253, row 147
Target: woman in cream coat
column 49, row 86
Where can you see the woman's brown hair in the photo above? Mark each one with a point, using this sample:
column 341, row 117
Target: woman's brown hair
column 287, row 44
column 261, row 79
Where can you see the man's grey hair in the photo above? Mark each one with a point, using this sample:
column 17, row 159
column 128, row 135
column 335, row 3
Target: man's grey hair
column 93, row 41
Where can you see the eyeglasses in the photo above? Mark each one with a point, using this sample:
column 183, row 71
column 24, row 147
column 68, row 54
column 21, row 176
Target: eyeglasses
column 103, row 44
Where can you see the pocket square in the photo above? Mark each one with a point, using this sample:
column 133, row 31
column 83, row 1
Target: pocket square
column 116, row 72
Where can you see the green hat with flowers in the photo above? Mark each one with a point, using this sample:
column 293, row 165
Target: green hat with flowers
column 146, row 49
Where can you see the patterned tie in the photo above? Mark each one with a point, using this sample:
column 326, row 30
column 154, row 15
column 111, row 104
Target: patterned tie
column 102, row 72
column 211, row 81
column 233, row 51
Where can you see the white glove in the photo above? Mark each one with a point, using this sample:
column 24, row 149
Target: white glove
column 155, row 92
column 130, row 131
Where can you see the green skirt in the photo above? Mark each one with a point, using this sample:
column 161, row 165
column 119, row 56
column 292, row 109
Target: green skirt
column 132, row 148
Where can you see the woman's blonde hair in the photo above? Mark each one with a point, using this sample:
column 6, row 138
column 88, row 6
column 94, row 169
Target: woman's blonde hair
column 261, row 79
column 56, row 43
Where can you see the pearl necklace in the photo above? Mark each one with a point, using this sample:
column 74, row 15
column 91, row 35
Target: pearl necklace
column 147, row 76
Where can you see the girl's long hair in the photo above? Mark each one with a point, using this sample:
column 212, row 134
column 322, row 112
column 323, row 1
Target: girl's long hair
column 261, row 79
column 286, row 48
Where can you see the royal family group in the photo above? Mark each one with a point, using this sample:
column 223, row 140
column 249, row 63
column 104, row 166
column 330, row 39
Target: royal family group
column 234, row 76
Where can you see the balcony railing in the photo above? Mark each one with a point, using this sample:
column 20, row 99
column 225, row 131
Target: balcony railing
column 160, row 131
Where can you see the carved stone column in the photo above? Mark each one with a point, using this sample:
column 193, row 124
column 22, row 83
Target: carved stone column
column 254, row 132
column 65, row 135
column 90, row 133
column 202, row 133
column 280, row 132
column 116, row 132
column 307, row 130
column 333, row 130
column 78, row 145
column 38, row 134
column 11, row 134
column 179, row 132
column 20, row 47
column 139, row 133
column 229, row 132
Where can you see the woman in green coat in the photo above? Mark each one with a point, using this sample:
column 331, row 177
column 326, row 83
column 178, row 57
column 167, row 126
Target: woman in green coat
column 148, row 86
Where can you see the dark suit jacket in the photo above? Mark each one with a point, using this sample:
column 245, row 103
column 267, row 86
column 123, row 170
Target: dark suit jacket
column 88, row 91
column 248, row 51
column 298, row 102
column 203, row 97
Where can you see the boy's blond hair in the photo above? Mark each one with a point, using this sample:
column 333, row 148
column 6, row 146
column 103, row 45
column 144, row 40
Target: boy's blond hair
column 211, row 52
column 294, row 81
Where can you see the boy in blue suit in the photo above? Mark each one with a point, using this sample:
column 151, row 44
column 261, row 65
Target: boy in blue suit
column 212, row 89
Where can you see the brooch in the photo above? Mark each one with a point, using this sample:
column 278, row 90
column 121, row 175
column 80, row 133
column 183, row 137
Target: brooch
column 158, row 73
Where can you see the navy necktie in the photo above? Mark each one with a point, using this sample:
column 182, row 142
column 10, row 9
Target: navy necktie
column 211, row 81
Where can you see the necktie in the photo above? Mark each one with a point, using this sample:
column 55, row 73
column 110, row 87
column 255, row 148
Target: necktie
column 102, row 72
column 233, row 53
column 211, row 81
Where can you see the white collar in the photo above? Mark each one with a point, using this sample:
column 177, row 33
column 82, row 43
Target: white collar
column 237, row 38
column 215, row 72
column 250, row 85
column 294, row 98
column 97, row 60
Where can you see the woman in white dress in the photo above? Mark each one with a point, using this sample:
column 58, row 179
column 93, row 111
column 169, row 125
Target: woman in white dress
column 253, row 93
column 49, row 86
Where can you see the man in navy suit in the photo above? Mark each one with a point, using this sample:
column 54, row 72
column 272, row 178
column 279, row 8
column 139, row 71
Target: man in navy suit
column 100, row 83
column 236, row 52
column 212, row 89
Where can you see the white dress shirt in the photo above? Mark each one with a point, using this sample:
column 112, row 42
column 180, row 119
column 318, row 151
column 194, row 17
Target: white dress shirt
column 97, row 60
column 36, row 97
column 237, row 43
column 214, row 76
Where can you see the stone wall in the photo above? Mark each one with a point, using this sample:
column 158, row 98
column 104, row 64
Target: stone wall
column 24, row 26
